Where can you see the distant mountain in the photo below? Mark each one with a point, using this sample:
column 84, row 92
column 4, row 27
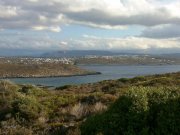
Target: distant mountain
column 82, row 53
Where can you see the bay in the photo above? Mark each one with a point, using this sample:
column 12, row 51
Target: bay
column 108, row 72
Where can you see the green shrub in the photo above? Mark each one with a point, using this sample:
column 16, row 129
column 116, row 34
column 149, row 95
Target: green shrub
column 8, row 92
column 124, row 80
column 63, row 87
column 27, row 107
column 142, row 110
column 33, row 90
column 138, row 79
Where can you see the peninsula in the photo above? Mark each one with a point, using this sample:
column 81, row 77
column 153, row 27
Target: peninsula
column 39, row 67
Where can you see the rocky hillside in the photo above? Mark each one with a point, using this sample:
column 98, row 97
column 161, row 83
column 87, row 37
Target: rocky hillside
column 146, row 105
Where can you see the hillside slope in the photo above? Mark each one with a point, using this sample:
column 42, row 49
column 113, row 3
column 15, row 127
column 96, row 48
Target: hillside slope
column 38, row 67
column 148, row 105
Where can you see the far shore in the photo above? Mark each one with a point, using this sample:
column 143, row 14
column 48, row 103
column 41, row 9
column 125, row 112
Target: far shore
column 53, row 76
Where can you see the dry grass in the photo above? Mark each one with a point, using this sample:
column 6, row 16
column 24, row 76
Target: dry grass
column 41, row 111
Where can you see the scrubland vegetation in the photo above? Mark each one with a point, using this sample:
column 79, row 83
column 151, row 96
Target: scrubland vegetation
column 139, row 106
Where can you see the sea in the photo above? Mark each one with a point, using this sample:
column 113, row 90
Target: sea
column 108, row 72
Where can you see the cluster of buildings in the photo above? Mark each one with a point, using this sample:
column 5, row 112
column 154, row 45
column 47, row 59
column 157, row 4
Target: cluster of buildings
column 36, row 60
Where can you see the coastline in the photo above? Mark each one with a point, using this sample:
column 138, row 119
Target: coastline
column 52, row 76
column 119, row 64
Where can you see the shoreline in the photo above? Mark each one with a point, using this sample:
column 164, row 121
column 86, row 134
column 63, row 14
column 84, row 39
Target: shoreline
column 127, row 64
column 52, row 76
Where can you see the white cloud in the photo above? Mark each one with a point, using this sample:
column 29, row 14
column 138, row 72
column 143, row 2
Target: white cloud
column 32, row 42
column 7, row 11
column 160, row 18
column 128, row 43
column 64, row 43
column 114, row 14
column 86, row 42
column 52, row 28
column 33, row 0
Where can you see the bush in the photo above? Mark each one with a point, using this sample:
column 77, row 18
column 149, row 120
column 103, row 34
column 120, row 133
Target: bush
column 80, row 110
column 33, row 90
column 141, row 111
column 27, row 108
column 8, row 92
column 63, row 87
column 124, row 80
column 6, row 85
column 11, row 127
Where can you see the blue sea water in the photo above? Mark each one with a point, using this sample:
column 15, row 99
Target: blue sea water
column 108, row 72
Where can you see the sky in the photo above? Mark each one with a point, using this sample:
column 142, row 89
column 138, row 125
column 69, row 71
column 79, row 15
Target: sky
column 30, row 27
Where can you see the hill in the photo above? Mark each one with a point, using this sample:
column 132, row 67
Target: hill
column 39, row 67
column 111, row 57
column 147, row 105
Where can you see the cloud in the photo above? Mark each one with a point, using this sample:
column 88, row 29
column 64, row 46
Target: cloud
column 160, row 20
column 115, row 14
column 164, row 31
column 30, row 42
column 52, row 28
column 128, row 43
column 86, row 42
column 10, row 11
